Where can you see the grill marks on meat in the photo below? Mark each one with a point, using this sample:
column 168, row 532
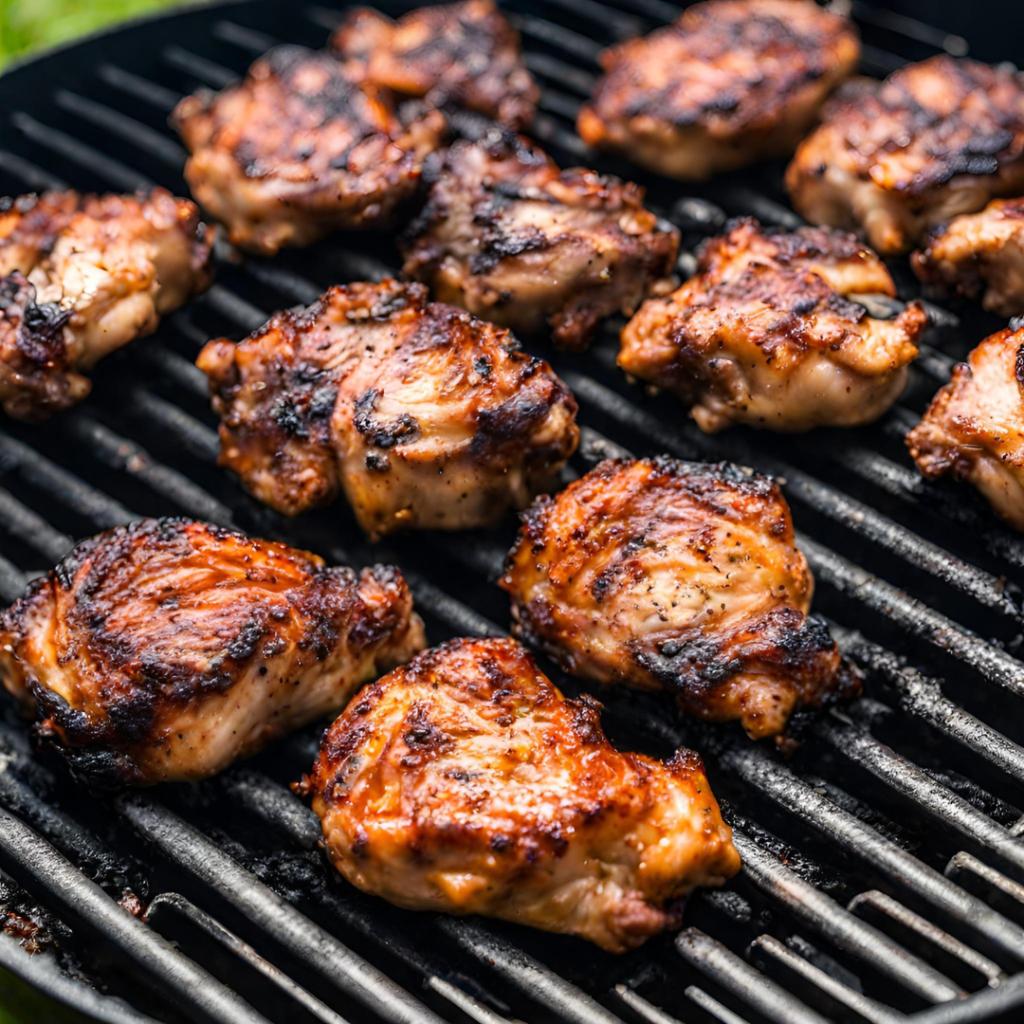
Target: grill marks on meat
column 81, row 276
column 466, row 783
column 463, row 53
column 510, row 237
column 769, row 332
column 302, row 147
column 729, row 83
column 167, row 649
column 423, row 415
column 896, row 158
column 685, row 577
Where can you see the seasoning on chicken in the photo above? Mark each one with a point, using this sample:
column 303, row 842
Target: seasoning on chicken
column 82, row 276
column 164, row 650
column 467, row 783
column 678, row 576
column 729, row 83
column 423, row 415
column 510, row 237
column 300, row 148
column 463, row 53
column 974, row 428
column 979, row 253
column 900, row 157
column 770, row 332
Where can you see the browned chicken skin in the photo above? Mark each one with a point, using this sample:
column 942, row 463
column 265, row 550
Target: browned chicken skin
column 897, row 158
column 685, row 577
column 302, row 147
column 769, row 332
column 465, row 53
column 167, row 649
column 467, row 783
column 729, row 83
column 510, row 237
column 423, row 415
column 81, row 276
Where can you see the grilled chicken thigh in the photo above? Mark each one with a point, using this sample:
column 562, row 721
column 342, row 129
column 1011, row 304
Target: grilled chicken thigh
column 974, row 429
column 685, row 577
column 423, row 415
column 897, row 158
column 510, row 237
column 302, row 147
column 81, row 276
column 465, row 53
column 729, row 83
column 166, row 649
column 467, row 783
column 769, row 332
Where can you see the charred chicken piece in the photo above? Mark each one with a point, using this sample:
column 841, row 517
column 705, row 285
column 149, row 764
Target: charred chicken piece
column 510, row 237
column 463, row 53
column 82, row 276
column 302, row 147
column 976, row 253
column 729, row 83
column 685, row 577
column 900, row 157
column 423, row 415
column 164, row 650
column 770, row 332
column 974, row 428
column 467, row 783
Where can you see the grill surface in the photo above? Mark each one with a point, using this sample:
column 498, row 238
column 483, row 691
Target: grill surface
column 883, row 870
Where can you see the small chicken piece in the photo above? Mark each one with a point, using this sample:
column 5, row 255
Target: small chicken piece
column 302, row 147
column 770, row 332
column 463, row 53
column 82, row 276
column 467, row 783
column 981, row 252
column 423, row 415
column 679, row 576
column 899, row 157
column 164, row 650
column 729, row 83
column 974, row 428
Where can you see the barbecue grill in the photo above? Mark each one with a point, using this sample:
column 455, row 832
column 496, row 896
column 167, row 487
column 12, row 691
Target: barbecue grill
column 883, row 876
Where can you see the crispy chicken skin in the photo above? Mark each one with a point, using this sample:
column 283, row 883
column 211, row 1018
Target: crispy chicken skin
column 678, row 576
column 729, row 83
column 769, row 332
column 302, row 147
column 897, row 158
column 422, row 414
column 510, row 237
column 467, row 783
column 974, row 428
column 464, row 53
column 164, row 650
column 81, row 276
column 980, row 252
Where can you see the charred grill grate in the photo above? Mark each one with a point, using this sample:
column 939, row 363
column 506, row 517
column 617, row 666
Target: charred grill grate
column 883, row 867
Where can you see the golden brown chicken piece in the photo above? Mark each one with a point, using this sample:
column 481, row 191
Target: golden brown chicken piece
column 302, row 147
column 423, row 415
column 679, row 576
column 974, row 429
column 770, row 332
column 897, row 158
column 981, row 252
column 165, row 650
column 82, row 276
column 467, row 783
column 464, row 53
column 729, row 83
